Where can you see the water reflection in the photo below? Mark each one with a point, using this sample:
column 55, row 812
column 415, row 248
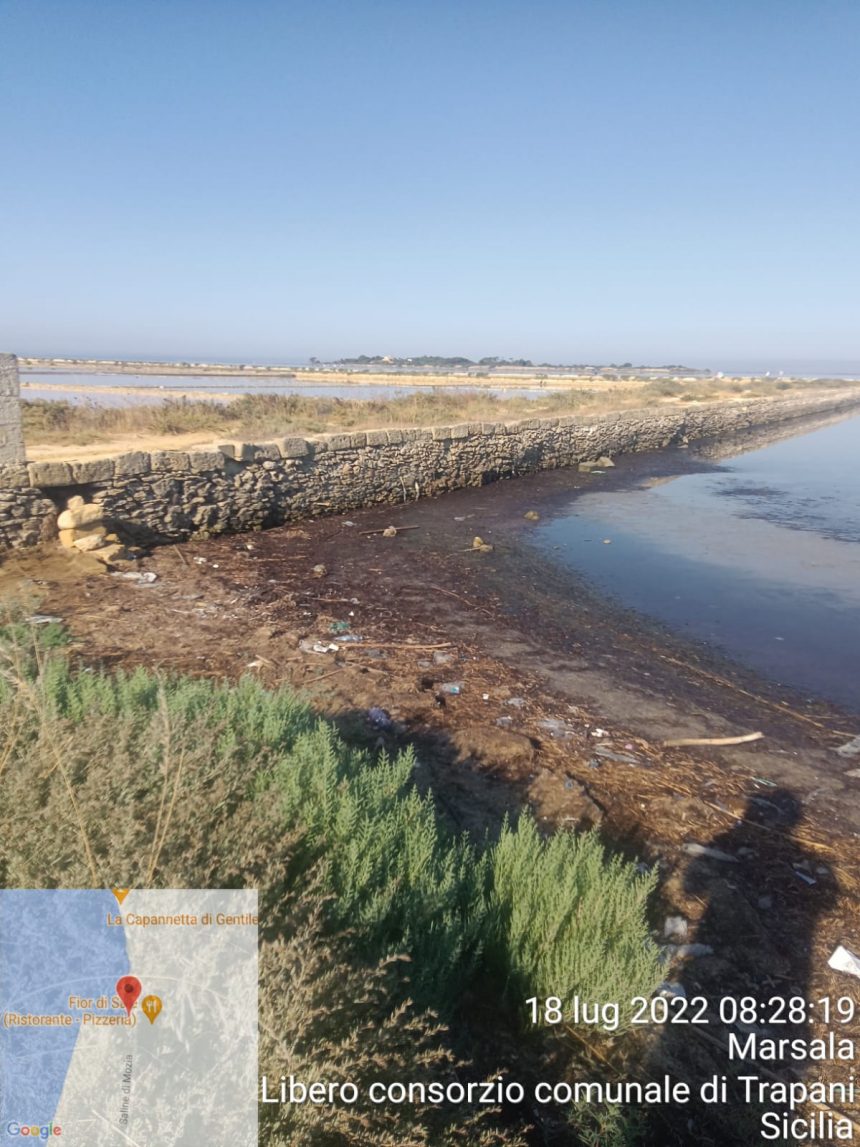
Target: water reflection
column 759, row 556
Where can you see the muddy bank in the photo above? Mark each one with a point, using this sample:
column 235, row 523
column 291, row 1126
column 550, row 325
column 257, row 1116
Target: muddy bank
column 564, row 703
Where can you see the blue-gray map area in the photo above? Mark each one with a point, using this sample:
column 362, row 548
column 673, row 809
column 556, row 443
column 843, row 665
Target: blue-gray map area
column 53, row 944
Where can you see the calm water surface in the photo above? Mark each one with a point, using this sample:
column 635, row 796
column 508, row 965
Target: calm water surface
column 759, row 556
column 93, row 388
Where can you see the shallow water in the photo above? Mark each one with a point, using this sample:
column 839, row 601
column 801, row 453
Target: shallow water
column 757, row 555
column 92, row 388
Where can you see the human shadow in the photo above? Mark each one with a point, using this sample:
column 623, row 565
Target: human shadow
column 749, row 957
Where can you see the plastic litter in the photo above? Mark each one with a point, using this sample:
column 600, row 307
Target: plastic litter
column 667, row 988
column 675, row 928
column 452, row 688
column 844, row 960
column 339, row 627
column 380, row 718
column 611, row 755
column 516, row 702
column 355, row 638
column 389, row 532
column 146, row 578
column 43, row 619
column 693, row 849
column 850, row 748
column 531, row 516
column 691, row 951
column 319, row 570
column 556, row 728
column 440, row 658
column 322, row 647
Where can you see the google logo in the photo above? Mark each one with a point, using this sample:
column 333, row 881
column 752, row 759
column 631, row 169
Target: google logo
column 44, row 1132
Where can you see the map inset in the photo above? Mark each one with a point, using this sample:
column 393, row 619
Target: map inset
column 128, row 1017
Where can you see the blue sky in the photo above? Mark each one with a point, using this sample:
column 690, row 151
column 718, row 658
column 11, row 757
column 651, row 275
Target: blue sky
column 646, row 180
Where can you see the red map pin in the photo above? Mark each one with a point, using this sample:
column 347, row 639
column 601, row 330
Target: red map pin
column 128, row 989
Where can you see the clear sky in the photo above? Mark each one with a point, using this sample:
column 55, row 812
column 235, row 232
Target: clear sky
column 611, row 180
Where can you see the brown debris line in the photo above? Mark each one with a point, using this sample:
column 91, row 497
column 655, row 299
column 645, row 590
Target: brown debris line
column 238, row 606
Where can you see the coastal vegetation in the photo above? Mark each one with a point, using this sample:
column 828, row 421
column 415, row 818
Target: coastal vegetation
column 253, row 415
column 391, row 947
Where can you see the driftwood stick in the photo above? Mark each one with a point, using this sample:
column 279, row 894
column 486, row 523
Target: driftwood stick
column 713, row 740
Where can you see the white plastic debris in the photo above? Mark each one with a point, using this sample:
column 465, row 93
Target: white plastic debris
column 675, row 928
column 850, row 748
column 43, row 619
column 143, row 578
column 693, row 849
column 844, row 960
column 667, row 988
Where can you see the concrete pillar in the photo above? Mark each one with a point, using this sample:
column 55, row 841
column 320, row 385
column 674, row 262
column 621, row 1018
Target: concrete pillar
column 11, row 437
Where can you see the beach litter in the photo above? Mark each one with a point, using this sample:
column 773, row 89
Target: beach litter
column 844, row 960
column 339, row 627
column 380, row 719
column 693, row 849
column 481, row 546
column 672, row 989
column 675, row 928
column 611, row 755
column 689, row 951
column 557, row 728
column 850, row 748
column 452, row 688
column 531, row 516
column 146, row 578
column 319, row 570
column 43, row 619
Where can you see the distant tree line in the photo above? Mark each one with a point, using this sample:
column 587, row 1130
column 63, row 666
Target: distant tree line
column 490, row 361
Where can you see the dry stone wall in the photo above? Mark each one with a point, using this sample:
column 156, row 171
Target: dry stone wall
column 149, row 498
column 11, row 440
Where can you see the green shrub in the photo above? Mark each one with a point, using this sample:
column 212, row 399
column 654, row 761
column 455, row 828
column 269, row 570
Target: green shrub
column 569, row 920
column 137, row 779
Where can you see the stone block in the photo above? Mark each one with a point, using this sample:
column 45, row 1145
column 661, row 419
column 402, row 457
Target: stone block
column 135, row 462
column 88, row 543
column 169, row 460
column 71, row 537
column 50, row 474
column 441, row 433
column 93, row 470
column 293, row 447
column 266, row 451
column 358, row 441
column 199, row 461
column 395, row 437
column 460, row 431
column 14, row 476
column 377, row 438
column 85, row 515
column 340, row 442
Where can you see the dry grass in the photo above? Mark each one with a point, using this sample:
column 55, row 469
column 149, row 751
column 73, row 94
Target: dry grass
column 267, row 416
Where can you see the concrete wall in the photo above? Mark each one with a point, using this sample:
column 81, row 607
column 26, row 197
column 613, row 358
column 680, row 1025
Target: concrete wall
column 171, row 495
column 11, row 440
